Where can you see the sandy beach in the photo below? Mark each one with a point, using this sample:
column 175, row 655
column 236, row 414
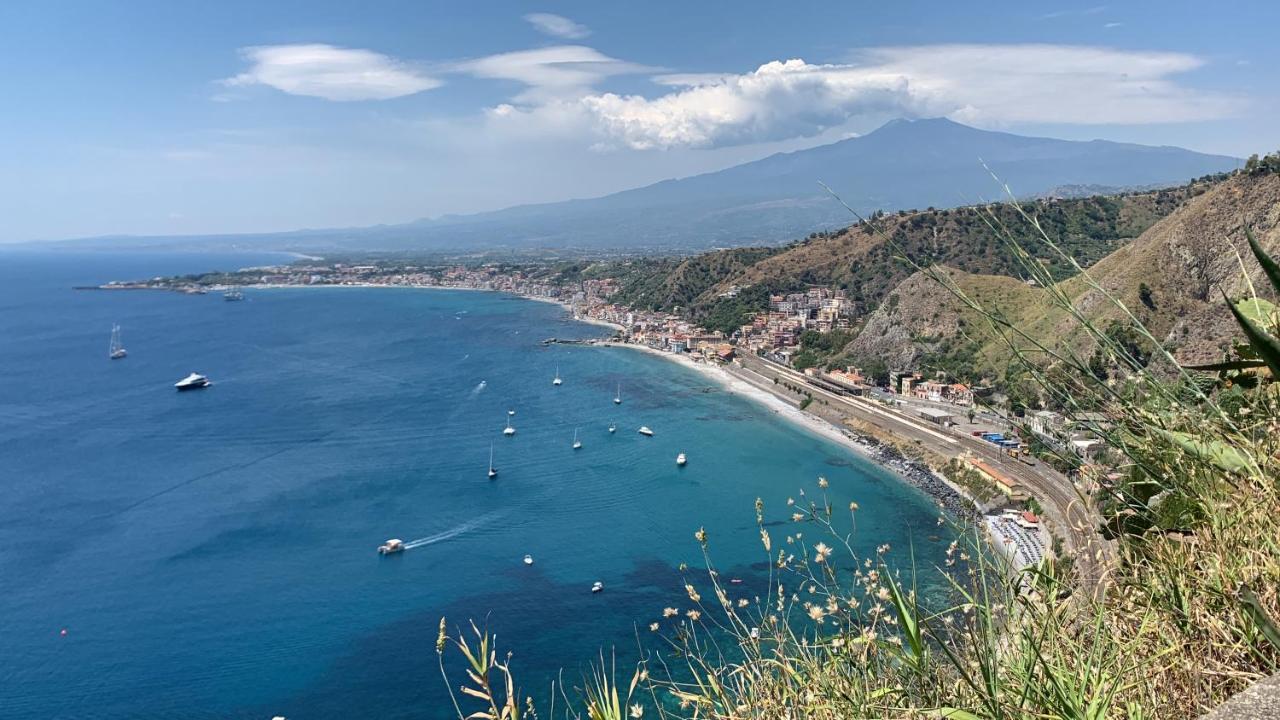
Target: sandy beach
column 778, row 406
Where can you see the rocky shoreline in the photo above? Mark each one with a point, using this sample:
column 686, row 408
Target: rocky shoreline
column 917, row 475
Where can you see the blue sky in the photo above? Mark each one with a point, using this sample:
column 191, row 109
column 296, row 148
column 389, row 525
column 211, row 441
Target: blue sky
column 175, row 118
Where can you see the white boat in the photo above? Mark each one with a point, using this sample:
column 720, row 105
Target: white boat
column 492, row 472
column 194, row 381
column 613, row 428
column 557, row 380
column 577, row 444
column 597, row 586
column 681, row 460
column 510, row 413
column 233, row 296
column 528, row 559
column 617, row 398
column 390, row 547
column 116, row 351
column 508, row 430
column 644, row 430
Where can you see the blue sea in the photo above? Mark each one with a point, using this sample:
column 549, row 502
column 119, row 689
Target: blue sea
column 211, row 554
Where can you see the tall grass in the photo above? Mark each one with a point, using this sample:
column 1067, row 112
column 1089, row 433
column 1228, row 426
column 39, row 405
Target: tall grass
column 1186, row 617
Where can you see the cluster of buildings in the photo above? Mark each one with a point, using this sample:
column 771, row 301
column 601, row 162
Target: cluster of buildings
column 915, row 385
column 1077, row 435
column 820, row 309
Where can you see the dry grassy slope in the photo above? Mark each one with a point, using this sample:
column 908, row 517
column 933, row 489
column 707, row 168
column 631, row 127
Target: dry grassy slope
column 1182, row 259
column 865, row 264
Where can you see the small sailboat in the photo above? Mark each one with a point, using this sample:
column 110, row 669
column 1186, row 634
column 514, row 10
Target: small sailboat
column 577, row 444
column 493, row 473
column 557, row 380
column 644, row 430
column 617, row 397
column 528, row 559
column 116, row 350
column 508, row 430
column 613, row 427
column 681, row 460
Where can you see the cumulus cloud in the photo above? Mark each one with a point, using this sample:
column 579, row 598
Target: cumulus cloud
column 557, row 26
column 332, row 73
column 979, row 84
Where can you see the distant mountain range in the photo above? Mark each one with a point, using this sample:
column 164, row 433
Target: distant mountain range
column 904, row 164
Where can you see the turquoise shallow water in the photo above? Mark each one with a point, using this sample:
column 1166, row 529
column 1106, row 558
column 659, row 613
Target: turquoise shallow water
column 211, row 554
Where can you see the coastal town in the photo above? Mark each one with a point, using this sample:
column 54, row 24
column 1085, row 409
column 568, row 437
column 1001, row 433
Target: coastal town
column 973, row 460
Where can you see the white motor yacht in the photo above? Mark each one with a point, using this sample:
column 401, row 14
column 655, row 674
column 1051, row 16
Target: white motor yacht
column 644, row 430
column 681, row 460
column 390, row 547
column 194, row 381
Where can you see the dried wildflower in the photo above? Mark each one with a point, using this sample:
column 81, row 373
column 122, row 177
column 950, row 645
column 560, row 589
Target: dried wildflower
column 821, row 552
column 440, row 638
column 701, row 536
column 637, row 711
column 670, row 612
column 822, row 482
column 853, row 507
column 693, row 615
column 797, row 517
column 693, row 594
column 883, row 593
column 764, row 538
column 816, row 614
column 653, row 627
column 743, row 602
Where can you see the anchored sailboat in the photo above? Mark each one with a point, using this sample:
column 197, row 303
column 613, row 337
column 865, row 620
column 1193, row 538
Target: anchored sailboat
column 617, row 398
column 116, row 350
column 557, row 380
column 492, row 472
column 577, row 444
column 508, row 430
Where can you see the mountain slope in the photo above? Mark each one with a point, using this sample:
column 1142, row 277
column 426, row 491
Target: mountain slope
column 1181, row 261
column 904, row 164
column 868, row 266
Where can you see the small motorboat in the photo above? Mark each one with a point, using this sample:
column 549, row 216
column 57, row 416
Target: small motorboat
column 644, row 430
column 528, row 559
column 510, row 413
column 681, row 460
column 597, row 587
column 390, row 547
column 194, row 381
column 233, row 296
column 613, row 428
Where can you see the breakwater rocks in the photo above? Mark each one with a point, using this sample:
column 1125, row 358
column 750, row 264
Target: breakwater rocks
column 918, row 475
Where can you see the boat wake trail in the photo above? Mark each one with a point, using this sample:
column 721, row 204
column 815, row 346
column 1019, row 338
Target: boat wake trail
column 452, row 532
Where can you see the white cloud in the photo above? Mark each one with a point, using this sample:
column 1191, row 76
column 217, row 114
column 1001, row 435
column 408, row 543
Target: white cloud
column 979, row 84
column 557, row 26
column 332, row 73
column 551, row 72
